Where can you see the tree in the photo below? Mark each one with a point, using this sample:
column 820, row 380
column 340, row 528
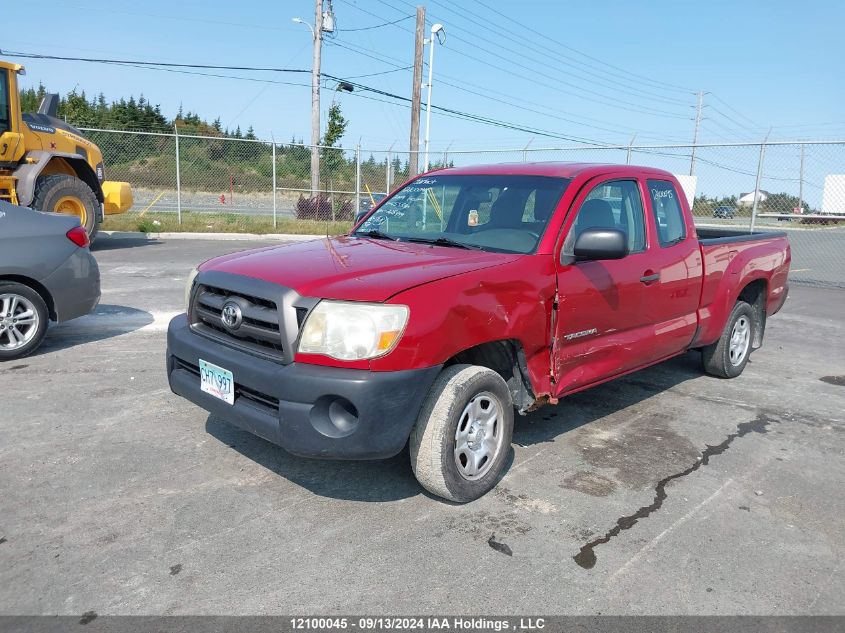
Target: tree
column 332, row 152
column 782, row 203
column 336, row 127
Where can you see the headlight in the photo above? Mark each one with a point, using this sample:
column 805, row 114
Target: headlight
column 352, row 331
column 191, row 276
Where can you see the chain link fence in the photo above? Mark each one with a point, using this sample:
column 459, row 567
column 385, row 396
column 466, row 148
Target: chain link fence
column 198, row 183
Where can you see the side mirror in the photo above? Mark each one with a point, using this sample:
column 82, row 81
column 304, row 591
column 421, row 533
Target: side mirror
column 595, row 244
column 360, row 216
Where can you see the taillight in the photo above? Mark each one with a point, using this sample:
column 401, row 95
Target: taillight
column 78, row 236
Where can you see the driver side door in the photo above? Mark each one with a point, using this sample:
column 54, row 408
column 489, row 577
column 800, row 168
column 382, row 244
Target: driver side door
column 602, row 326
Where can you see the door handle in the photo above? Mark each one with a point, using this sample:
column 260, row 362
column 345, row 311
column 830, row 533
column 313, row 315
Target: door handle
column 650, row 278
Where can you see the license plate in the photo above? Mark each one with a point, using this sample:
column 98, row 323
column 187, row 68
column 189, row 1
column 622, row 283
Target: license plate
column 217, row 381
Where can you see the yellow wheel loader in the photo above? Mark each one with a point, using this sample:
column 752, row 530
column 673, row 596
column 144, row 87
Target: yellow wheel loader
column 48, row 165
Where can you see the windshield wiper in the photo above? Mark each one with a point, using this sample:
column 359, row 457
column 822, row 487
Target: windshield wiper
column 443, row 241
column 377, row 235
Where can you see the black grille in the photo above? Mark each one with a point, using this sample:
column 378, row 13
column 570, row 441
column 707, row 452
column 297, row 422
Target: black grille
column 254, row 397
column 259, row 331
column 301, row 313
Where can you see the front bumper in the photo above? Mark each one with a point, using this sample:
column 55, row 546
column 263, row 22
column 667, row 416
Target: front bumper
column 309, row 410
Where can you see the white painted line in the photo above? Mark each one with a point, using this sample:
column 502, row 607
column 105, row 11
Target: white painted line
column 132, row 320
column 136, row 235
column 653, row 543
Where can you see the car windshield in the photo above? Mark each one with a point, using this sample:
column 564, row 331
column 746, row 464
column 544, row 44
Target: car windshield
column 489, row 212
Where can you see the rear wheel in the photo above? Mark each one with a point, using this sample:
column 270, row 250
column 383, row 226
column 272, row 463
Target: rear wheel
column 460, row 442
column 728, row 356
column 59, row 193
column 23, row 320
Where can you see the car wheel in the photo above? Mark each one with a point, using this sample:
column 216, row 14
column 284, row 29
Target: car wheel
column 58, row 193
column 23, row 320
column 727, row 357
column 460, row 442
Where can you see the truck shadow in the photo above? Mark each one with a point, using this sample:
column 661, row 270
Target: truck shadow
column 107, row 321
column 547, row 423
column 392, row 479
column 371, row 481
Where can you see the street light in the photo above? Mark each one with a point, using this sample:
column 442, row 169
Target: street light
column 301, row 21
column 437, row 31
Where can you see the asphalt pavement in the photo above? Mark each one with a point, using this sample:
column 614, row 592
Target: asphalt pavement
column 665, row 492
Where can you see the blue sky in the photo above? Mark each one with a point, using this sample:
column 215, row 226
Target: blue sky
column 593, row 71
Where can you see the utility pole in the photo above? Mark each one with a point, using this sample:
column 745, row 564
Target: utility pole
column 695, row 132
column 416, row 94
column 315, row 99
column 630, row 145
column 758, row 181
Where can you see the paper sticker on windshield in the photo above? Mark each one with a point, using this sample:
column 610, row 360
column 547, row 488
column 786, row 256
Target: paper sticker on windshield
column 472, row 218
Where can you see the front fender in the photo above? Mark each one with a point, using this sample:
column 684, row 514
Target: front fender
column 38, row 160
column 512, row 301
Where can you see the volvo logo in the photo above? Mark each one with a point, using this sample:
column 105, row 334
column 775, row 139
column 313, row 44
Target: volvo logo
column 231, row 315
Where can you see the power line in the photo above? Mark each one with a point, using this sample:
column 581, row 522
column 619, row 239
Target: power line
column 737, row 112
column 146, row 63
column 384, row 72
column 516, row 103
column 614, row 102
column 545, row 53
column 652, row 81
column 448, row 111
column 376, row 26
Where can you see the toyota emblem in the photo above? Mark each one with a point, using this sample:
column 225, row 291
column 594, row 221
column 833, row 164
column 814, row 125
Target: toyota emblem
column 231, row 315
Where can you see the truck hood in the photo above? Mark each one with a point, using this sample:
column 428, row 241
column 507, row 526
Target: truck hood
column 354, row 268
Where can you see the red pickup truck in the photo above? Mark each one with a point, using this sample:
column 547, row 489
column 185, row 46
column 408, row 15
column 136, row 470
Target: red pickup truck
column 465, row 295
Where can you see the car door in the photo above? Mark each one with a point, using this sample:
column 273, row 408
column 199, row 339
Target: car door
column 602, row 326
column 672, row 299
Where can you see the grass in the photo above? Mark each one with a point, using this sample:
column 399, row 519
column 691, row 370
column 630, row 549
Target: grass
column 219, row 223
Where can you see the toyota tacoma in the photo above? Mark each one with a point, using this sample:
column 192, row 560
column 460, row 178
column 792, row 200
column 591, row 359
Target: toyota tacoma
column 467, row 295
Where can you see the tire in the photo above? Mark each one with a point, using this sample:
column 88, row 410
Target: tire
column 19, row 303
column 727, row 357
column 463, row 395
column 59, row 193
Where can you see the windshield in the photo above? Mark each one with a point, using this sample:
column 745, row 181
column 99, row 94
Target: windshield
column 489, row 212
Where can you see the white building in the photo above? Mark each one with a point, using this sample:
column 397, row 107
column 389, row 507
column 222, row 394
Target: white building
column 747, row 199
column 833, row 196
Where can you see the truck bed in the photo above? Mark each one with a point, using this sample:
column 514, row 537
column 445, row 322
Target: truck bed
column 717, row 235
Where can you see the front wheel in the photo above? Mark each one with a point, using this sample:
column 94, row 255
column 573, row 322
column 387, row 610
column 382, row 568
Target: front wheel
column 59, row 193
column 727, row 357
column 461, row 439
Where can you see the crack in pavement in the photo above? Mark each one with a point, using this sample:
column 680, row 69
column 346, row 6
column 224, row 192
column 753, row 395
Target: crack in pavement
column 586, row 557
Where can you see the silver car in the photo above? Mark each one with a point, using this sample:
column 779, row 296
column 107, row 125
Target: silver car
column 47, row 274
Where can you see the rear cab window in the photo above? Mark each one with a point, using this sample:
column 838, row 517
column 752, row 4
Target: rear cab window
column 668, row 214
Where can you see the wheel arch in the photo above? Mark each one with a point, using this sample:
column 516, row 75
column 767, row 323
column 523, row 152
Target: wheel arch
column 755, row 293
column 37, row 287
column 41, row 163
column 507, row 358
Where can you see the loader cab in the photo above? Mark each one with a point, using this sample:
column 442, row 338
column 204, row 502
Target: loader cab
column 11, row 138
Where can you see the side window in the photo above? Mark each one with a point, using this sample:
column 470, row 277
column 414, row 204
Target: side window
column 611, row 205
column 4, row 100
column 668, row 215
